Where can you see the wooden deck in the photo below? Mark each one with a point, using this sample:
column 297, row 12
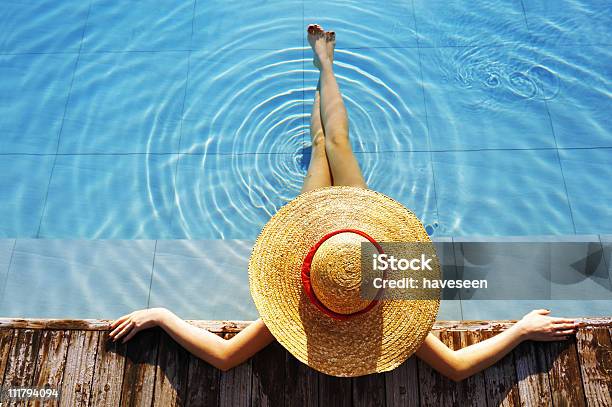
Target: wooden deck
column 77, row 357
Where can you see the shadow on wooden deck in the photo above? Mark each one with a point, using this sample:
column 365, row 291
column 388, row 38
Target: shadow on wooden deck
column 77, row 357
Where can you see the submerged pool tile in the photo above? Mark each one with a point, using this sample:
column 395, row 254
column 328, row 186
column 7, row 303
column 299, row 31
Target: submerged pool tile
column 6, row 251
column 584, row 171
column 578, row 97
column 125, row 103
column 606, row 244
column 481, row 98
column 78, row 278
column 33, row 94
column 382, row 92
column 415, row 189
column 23, row 185
column 212, row 268
column 247, row 107
column 364, row 24
column 46, row 26
column 569, row 22
column 232, row 196
column 150, row 25
column 110, row 196
column 497, row 193
column 248, row 24
column 441, row 23
column 507, row 309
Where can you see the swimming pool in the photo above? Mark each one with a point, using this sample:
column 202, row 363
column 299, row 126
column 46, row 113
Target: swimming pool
column 189, row 119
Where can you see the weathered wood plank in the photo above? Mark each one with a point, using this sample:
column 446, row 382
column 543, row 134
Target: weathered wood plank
column 80, row 366
column 235, row 386
column 301, row 385
column 21, row 362
column 500, row 380
column 172, row 373
column 268, row 388
column 564, row 373
column 334, row 391
column 237, row 326
column 203, row 384
column 595, row 353
column 104, row 324
column 449, row 390
column 6, row 338
column 434, row 388
column 369, row 390
column 402, row 384
column 472, row 391
column 532, row 375
column 140, row 368
column 51, row 361
column 108, row 376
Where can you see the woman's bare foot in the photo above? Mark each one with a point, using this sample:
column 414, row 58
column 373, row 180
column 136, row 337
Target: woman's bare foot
column 322, row 44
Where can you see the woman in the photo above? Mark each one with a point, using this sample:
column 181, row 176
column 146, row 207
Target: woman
column 333, row 163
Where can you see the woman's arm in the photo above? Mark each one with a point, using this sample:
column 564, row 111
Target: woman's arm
column 221, row 353
column 460, row 364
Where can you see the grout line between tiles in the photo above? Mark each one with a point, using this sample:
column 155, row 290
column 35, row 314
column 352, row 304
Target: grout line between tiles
column 422, row 46
column 569, row 202
column 152, row 273
column 608, row 266
column 59, row 135
column 422, row 85
column 525, row 15
column 8, row 270
column 178, row 153
column 552, row 129
column 303, row 76
column 213, row 153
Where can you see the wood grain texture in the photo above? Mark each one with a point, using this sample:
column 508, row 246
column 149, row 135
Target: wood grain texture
column 21, row 362
column 153, row 369
column 202, row 384
column 402, row 384
column 369, row 390
column 268, row 369
column 334, row 391
column 533, row 383
column 500, row 380
column 80, row 366
column 472, row 390
column 140, row 368
column 108, row 376
column 51, row 361
column 434, row 389
column 235, row 386
column 595, row 352
column 172, row 373
column 301, row 385
column 6, row 338
column 564, row 373
column 237, row 326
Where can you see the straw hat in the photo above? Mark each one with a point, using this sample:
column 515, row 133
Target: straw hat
column 305, row 279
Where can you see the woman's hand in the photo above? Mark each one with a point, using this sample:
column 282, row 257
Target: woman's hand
column 129, row 325
column 539, row 326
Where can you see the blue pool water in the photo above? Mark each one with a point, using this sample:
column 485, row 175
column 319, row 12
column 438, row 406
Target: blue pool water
column 164, row 120
column 185, row 119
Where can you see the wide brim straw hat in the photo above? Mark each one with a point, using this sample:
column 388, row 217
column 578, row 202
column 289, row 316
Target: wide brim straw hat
column 304, row 275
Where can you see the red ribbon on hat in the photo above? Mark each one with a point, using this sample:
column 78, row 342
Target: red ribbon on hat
column 308, row 286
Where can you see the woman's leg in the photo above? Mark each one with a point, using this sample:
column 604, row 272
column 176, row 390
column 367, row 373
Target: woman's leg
column 318, row 174
column 342, row 162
